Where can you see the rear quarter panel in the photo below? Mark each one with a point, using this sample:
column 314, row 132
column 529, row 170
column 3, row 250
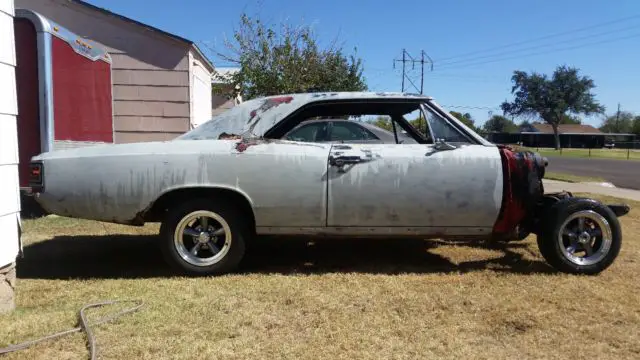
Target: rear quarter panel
column 283, row 181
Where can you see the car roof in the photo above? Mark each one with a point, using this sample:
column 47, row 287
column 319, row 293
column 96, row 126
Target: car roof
column 255, row 117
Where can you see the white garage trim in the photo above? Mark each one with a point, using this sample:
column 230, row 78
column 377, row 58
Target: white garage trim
column 9, row 188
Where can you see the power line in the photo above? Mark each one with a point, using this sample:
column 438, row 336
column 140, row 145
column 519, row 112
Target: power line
column 616, row 21
column 472, row 107
column 459, row 66
column 413, row 62
column 539, row 46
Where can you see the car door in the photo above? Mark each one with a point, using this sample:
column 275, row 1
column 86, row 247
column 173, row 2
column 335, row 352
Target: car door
column 413, row 185
column 423, row 188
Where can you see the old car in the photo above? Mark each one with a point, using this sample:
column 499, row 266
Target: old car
column 238, row 177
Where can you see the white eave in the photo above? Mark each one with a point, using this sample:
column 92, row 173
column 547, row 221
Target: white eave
column 224, row 72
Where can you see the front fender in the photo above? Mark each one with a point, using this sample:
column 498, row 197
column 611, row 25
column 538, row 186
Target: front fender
column 619, row 209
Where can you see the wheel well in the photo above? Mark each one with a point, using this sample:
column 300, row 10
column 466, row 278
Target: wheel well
column 159, row 207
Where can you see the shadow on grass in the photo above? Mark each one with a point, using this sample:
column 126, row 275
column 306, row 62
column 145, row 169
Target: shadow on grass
column 139, row 256
column 87, row 257
column 380, row 256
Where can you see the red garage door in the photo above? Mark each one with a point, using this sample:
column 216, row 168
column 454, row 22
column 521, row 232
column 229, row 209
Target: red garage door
column 28, row 93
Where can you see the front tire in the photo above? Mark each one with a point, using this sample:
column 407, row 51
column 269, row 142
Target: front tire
column 201, row 237
column 580, row 236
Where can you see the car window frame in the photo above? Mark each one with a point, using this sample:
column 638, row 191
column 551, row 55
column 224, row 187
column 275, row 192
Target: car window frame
column 276, row 131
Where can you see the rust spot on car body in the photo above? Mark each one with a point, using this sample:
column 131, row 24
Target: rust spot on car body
column 245, row 144
column 225, row 136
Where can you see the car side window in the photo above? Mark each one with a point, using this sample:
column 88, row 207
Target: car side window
column 345, row 131
column 308, row 133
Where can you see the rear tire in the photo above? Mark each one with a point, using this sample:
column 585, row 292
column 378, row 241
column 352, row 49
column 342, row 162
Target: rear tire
column 580, row 226
column 201, row 237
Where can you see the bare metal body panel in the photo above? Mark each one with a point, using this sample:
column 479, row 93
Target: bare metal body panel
column 282, row 181
column 414, row 186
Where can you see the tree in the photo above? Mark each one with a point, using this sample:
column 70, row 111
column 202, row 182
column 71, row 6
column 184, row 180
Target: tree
column 571, row 120
column 621, row 123
column 526, row 124
column 466, row 119
column 635, row 128
column 552, row 98
column 499, row 123
column 383, row 122
column 286, row 59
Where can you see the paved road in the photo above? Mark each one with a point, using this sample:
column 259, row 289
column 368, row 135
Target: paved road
column 621, row 173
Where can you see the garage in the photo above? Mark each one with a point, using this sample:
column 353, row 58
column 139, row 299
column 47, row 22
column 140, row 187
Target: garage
column 160, row 82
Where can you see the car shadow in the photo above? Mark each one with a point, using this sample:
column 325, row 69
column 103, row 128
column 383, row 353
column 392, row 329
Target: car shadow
column 139, row 256
column 381, row 256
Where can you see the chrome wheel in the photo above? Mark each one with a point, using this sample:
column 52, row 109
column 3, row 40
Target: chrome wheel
column 585, row 237
column 202, row 238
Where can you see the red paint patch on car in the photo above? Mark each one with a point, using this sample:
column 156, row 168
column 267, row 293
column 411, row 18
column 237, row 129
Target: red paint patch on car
column 521, row 187
column 271, row 103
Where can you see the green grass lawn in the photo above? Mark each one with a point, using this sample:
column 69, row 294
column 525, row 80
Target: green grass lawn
column 571, row 178
column 342, row 299
column 595, row 153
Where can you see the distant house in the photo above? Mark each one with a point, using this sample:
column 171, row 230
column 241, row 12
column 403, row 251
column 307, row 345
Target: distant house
column 573, row 129
column 571, row 136
column 221, row 82
column 161, row 81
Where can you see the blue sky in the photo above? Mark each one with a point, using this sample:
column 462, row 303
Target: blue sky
column 458, row 35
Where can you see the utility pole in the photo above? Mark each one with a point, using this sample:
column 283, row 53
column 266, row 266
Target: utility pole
column 403, row 71
column 618, row 119
column 407, row 58
column 421, row 71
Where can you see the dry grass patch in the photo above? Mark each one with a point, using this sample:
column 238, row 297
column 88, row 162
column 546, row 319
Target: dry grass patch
column 334, row 300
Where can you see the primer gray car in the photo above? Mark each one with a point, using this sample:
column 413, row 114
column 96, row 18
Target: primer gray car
column 237, row 176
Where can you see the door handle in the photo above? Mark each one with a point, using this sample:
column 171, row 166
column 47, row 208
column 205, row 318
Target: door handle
column 340, row 161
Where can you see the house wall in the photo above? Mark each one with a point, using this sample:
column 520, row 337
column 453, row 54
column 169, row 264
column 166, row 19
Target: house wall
column 150, row 72
column 222, row 104
column 9, row 189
